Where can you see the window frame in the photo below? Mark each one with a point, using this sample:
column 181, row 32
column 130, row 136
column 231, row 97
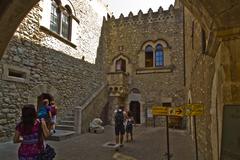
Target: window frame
column 53, row 4
column 62, row 11
column 122, row 63
column 9, row 71
column 161, row 56
column 154, row 58
column 150, row 57
column 64, row 14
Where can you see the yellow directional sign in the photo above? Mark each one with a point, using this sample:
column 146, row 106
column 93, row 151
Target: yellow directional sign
column 171, row 111
column 194, row 109
column 159, row 111
column 186, row 110
column 179, row 111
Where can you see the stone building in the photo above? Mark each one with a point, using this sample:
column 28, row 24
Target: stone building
column 144, row 60
column 212, row 75
column 59, row 53
column 51, row 55
column 196, row 46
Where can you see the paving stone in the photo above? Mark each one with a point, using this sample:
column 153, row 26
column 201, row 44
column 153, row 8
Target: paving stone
column 149, row 144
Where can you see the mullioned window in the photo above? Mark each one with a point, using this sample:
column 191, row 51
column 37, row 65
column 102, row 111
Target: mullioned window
column 61, row 20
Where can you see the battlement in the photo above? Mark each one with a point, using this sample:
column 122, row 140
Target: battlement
column 149, row 17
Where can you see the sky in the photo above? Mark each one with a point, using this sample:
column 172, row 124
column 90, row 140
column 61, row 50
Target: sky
column 125, row 6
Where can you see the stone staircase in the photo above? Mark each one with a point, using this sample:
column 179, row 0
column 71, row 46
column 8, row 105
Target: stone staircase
column 65, row 129
column 85, row 113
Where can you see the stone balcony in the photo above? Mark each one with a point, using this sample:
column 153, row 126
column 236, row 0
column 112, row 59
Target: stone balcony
column 117, row 83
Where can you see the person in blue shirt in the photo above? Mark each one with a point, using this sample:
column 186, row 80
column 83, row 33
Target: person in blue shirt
column 45, row 112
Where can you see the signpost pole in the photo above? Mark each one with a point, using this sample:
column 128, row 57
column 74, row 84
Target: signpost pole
column 154, row 121
column 168, row 154
column 187, row 110
column 195, row 136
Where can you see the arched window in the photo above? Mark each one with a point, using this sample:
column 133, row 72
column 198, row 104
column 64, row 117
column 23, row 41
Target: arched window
column 149, row 56
column 159, row 56
column 61, row 21
column 121, row 65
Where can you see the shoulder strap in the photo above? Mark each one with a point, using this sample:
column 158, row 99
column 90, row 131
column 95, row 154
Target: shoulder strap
column 40, row 137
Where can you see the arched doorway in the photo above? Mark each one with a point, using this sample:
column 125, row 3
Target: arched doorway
column 135, row 109
column 43, row 91
column 43, row 96
column 12, row 12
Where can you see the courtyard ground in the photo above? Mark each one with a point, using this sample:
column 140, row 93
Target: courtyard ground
column 149, row 144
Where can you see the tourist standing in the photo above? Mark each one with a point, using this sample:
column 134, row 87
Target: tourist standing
column 53, row 109
column 120, row 116
column 129, row 126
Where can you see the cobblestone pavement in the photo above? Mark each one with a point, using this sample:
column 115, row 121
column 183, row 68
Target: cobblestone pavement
column 149, row 144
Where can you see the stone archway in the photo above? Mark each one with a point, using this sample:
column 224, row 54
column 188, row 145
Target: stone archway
column 214, row 118
column 43, row 96
column 39, row 90
column 12, row 13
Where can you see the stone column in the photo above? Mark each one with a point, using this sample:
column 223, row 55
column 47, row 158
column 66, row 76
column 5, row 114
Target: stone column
column 78, row 119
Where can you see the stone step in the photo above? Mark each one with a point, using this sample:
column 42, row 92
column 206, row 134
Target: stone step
column 61, row 135
column 70, row 123
column 65, row 127
column 70, row 114
column 69, row 118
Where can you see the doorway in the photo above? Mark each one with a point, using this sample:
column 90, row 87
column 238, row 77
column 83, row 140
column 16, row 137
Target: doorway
column 135, row 109
column 42, row 97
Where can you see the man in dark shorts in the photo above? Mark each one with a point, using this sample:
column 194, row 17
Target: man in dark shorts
column 120, row 117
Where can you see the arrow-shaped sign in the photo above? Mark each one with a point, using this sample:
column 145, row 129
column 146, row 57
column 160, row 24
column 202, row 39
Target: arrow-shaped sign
column 179, row 111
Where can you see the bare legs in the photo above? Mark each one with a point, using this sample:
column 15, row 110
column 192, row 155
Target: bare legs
column 121, row 139
column 131, row 136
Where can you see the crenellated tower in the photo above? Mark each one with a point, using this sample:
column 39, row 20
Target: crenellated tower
column 132, row 74
column 149, row 17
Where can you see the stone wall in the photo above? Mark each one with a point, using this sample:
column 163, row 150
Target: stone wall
column 211, row 80
column 199, row 75
column 126, row 36
column 87, row 32
column 75, row 80
column 45, row 69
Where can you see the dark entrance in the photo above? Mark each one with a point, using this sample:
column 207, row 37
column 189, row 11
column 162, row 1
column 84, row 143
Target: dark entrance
column 135, row 109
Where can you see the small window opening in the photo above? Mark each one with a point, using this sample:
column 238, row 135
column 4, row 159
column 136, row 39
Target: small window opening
column 17, row 74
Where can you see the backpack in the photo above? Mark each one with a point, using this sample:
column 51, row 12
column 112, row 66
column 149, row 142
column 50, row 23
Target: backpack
column 119, row 118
